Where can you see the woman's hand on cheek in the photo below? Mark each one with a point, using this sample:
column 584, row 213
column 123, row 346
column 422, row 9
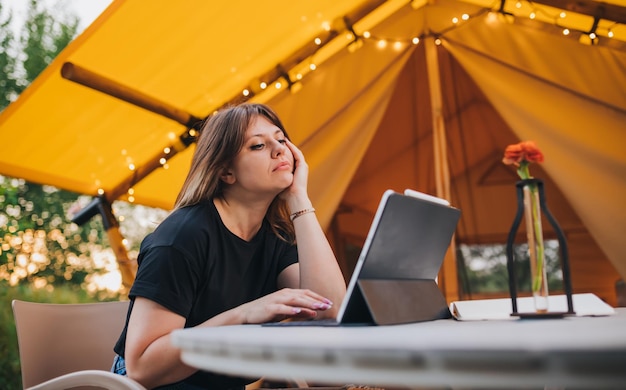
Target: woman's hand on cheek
column 300, row 173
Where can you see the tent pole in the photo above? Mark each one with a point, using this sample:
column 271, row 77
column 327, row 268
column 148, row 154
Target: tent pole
column 100, row 205
column 448, row 280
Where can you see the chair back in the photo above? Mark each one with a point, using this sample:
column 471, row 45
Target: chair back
column 56, row 339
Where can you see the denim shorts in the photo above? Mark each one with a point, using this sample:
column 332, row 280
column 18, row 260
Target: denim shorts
column 119, row 367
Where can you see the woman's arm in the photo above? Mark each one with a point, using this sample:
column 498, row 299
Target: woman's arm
column 318, row 269
column 152, row 360
column 150, row 357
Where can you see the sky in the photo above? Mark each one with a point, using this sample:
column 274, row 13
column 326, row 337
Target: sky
column 85, row 10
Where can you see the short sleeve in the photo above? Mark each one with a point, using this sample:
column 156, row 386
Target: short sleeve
column 168, row 278
column 289, row 257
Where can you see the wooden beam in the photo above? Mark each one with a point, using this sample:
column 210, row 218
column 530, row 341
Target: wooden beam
column 105, row 85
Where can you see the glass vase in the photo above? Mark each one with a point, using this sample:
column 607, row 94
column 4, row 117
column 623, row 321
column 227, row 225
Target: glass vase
column 536, row 248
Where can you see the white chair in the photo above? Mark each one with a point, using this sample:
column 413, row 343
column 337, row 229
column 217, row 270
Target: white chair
column 65, row 346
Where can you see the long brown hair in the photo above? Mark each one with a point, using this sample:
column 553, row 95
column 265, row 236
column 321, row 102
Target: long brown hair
column 221, row 138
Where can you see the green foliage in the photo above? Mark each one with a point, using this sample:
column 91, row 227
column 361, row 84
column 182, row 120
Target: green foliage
column 23, row 59
column 483, row 268
column 8, row 83
column 37, row 242
column 45, row 38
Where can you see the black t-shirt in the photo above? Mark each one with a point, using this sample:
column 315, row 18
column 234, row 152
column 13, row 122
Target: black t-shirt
column 194, row 266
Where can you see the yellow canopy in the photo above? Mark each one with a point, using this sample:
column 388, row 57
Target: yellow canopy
column 358, row 105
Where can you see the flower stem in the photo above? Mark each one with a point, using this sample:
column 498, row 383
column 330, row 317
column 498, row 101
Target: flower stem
column 538, row 279
column 524, row 173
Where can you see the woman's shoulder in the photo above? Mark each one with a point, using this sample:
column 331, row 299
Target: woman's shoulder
column 186, row 223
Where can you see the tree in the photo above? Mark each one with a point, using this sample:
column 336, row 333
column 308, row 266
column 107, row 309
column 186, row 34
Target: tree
column 8, row 83
column 45, row 38
column 21, row 61
column 38, row 243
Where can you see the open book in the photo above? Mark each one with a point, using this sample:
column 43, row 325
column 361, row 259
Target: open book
column 500, row 309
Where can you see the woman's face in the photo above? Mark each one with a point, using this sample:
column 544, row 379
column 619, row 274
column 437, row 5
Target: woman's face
column 265, row 163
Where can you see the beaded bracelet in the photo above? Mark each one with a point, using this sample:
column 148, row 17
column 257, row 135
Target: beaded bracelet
column 301, row 212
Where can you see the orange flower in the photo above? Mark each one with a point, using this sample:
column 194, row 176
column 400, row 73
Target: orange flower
column 523, row 151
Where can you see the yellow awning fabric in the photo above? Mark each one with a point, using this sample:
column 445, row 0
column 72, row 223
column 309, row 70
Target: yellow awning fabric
column 359, row 106
column 194, row 56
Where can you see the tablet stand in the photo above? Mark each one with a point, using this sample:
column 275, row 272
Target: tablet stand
column 413, row 301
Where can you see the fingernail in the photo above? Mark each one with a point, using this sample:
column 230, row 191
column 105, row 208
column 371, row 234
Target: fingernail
column 296, row 310
column 321, row 306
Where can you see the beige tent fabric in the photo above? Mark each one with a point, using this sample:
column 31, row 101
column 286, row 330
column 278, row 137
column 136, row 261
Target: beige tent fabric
column 552, row 96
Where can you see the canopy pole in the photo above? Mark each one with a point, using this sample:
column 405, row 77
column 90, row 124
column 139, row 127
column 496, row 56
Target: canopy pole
column 448, row 280
column 100, row 205
column 80, row 75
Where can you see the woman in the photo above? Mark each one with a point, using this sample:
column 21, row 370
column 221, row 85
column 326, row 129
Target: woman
column 227, row 254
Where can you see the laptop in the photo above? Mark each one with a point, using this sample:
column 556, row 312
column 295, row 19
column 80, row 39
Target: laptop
column 395, row 277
